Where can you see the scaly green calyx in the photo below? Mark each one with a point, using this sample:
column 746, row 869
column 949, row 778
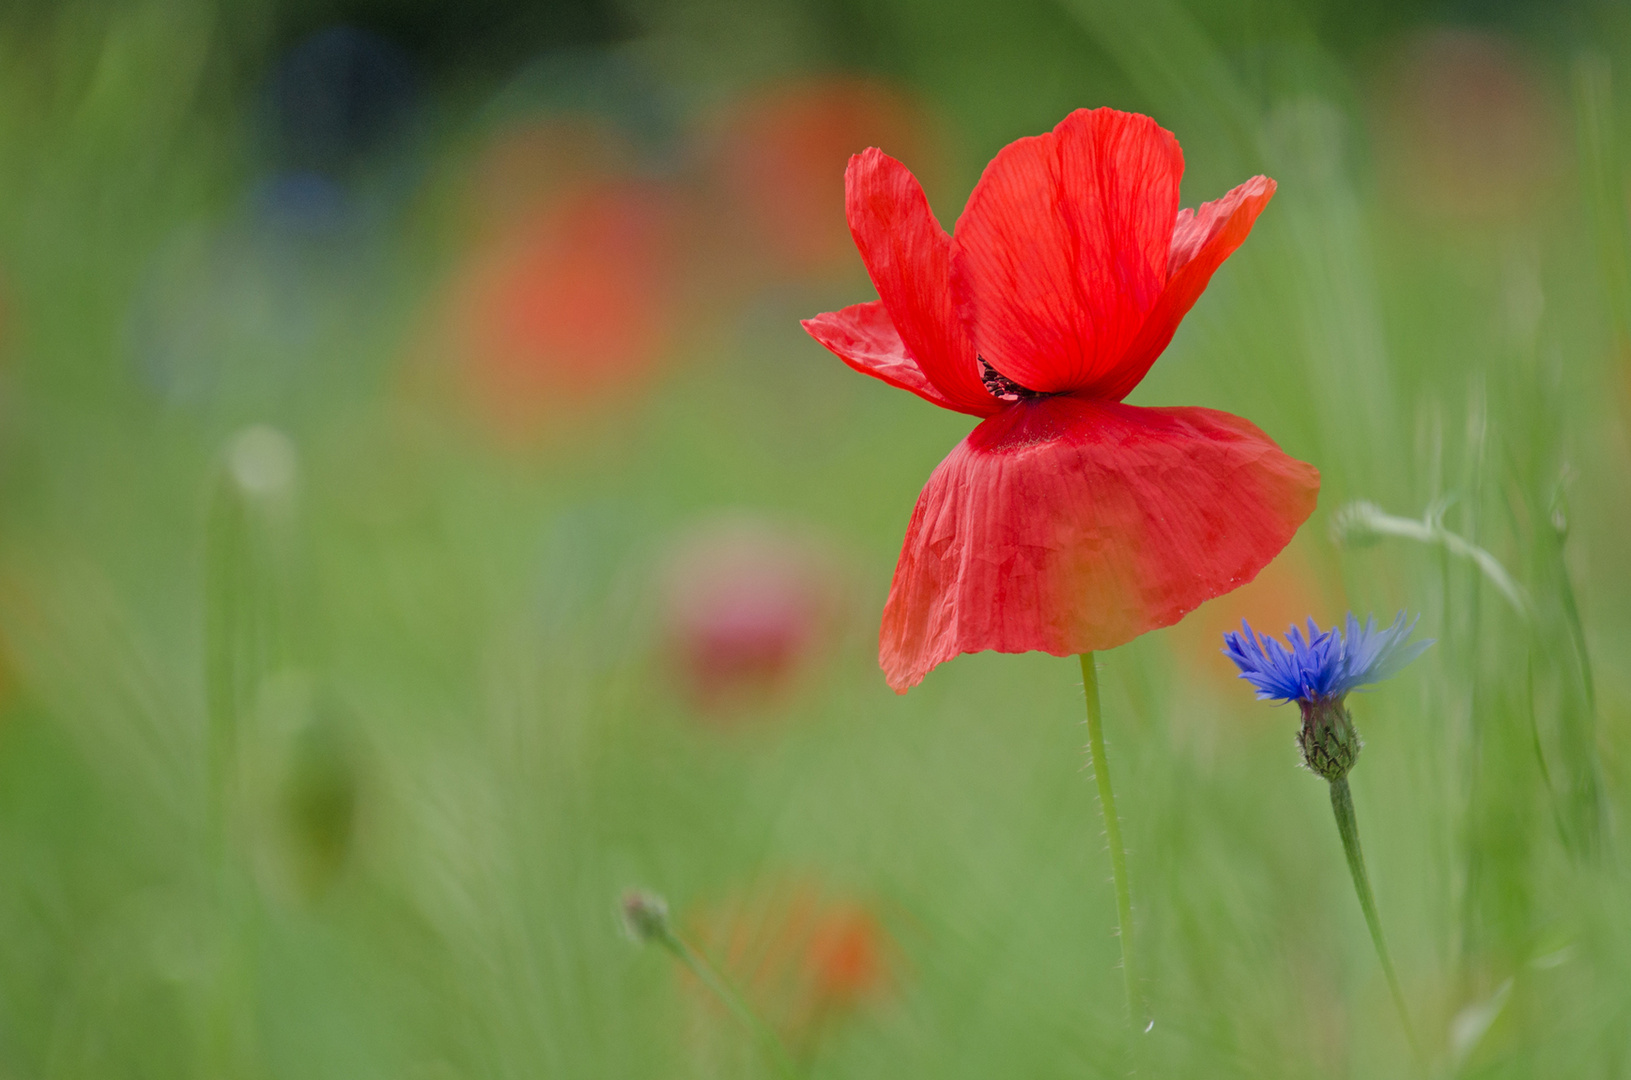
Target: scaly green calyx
column 1328, row 741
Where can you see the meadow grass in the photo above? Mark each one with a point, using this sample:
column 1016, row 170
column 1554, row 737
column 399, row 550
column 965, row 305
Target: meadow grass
column 334, row 726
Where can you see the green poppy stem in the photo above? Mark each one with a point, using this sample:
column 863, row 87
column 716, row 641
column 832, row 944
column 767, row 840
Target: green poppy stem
column 1112, row 833
column 726, row 993
column 1342, row 804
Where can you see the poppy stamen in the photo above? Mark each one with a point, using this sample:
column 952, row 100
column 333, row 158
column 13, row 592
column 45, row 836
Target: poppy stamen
column 1002, row 387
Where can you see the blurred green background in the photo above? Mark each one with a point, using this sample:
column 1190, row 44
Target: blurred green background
column 422, row 518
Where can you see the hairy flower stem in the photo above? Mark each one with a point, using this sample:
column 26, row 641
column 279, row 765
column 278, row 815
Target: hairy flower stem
column 1342, row 804
column 722, row 989
column 1112, row 833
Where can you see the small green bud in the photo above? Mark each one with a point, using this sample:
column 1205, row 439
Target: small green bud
column 645, row 916
column 1328, row 741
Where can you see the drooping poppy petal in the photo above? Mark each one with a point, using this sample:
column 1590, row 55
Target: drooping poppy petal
column 865, row 338
column 1062, row 250
column 908, row 255
column 1069, row 525
column 1201, row 240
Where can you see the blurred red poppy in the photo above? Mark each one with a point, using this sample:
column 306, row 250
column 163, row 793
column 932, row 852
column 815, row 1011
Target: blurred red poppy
column 748, row 609
column 1467, row 130
column 576, row 300
column 1066, row 521
column 781, row 158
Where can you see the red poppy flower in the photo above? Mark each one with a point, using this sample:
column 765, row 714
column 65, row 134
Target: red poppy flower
column 1067, row 521
column 575, row 300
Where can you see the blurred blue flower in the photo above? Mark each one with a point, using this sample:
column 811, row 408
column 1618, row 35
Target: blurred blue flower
column 607, row 85
column 301, row 205
column 337, row 98
column 1324, row 665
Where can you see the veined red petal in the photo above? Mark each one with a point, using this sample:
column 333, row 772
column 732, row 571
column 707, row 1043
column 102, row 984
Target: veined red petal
column 1201, row 240
column 1212, row 233
column 864, row 337
column 1062, row 250
column 908, row 255
column 1070, row 525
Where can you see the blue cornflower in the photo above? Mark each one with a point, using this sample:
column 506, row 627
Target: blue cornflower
column 1324, row 664
column 1317, row 671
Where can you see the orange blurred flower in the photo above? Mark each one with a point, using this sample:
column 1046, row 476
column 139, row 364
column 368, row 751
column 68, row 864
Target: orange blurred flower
column 1287, row 592
column 781, row 158
column 803, row 956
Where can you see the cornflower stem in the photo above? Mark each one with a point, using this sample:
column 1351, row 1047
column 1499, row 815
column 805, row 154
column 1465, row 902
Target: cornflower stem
column 721, row 988
column 1342, row 804
column 1112, row 834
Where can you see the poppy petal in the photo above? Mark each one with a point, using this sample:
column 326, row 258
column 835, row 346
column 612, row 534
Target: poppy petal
column 1201, row 240
column 1069, row 525
column 908, row 255
column 1062, row 251
column 864, row 337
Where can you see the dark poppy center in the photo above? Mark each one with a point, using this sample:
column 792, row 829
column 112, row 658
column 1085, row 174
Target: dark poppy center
column 1002, row 387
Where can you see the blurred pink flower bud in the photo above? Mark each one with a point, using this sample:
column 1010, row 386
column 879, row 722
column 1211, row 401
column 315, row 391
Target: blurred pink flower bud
column 748, row 609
